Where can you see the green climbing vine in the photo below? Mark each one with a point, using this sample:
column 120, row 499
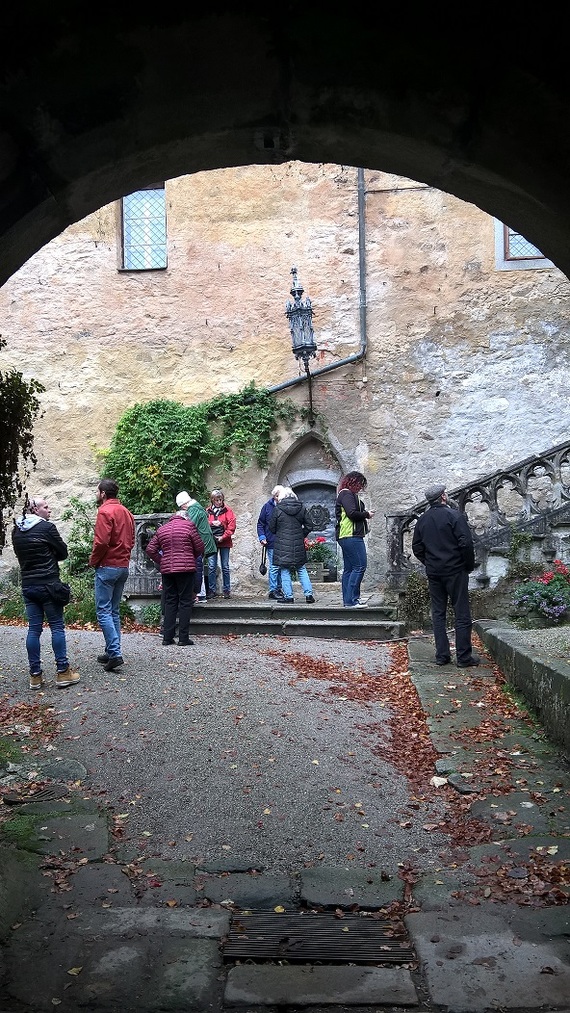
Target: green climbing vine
column 162, row 446
column 519, row 543
column 19, row 408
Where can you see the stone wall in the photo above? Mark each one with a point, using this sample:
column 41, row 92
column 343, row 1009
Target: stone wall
column 466, row 366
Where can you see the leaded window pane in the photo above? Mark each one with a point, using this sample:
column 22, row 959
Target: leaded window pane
column 144, row 230
column 519, row 248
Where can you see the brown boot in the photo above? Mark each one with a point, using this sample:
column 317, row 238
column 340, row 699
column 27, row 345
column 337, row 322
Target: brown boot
column 66, row 678
column 37, row 681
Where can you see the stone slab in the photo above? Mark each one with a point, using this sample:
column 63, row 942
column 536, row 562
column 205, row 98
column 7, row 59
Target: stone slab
column 128, row 975
column 341, row 887
column 520, row 804
column 99, row 883
column 473, row 961
column 87, row 835
column 261, row 985
column 180, row 872
column 21, row 886
column 203, row 923
column 168, row 881
column 247, row 891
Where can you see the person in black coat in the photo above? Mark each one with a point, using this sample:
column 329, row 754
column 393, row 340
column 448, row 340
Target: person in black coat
column 443, row 542
column 40, row 548
column 290, row 523
column 351, row 529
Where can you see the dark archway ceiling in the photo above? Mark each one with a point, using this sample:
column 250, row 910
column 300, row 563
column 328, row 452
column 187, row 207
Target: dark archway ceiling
column 94, row 104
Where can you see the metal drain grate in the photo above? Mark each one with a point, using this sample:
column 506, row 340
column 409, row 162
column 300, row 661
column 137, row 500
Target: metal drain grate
column 315, row 937
column 48, row 794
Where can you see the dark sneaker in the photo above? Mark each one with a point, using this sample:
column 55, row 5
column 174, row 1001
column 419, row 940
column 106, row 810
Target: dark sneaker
column 103, row 658
column 473, row 661
column 309, row 599
column 114, row 663
column 186, row 643
column 285, row 601
column 168, row 643
column 443, row 661
column 275, row 594
column 226, row 594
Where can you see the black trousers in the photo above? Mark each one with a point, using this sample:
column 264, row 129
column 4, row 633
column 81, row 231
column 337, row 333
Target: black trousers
column 178, row 596
column 445, row 590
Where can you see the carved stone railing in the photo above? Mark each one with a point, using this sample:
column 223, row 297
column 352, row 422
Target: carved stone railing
column 532, row 496
column 144, row 577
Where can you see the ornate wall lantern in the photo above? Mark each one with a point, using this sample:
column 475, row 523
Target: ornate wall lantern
column 300, row 316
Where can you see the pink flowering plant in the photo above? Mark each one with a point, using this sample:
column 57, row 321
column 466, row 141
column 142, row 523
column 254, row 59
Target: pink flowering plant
column 548, row 596
column 320, row 551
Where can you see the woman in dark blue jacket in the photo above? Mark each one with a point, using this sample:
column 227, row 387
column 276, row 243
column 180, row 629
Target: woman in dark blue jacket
column 267, row 538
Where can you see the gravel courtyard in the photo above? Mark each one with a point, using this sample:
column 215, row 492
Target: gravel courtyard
column 227, row 749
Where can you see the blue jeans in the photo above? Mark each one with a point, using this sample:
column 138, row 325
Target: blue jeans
column 39, row 605
column 109, row 584
column 354, row 561
column 304, row 579
column 224, row 554
column 273, row 572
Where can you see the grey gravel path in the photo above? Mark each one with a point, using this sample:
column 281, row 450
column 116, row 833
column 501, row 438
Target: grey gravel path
column 223, row 751
column 555, row 640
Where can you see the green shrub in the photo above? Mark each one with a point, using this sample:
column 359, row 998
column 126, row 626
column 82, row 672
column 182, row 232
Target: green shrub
column 415, row 608
column 151, row 614
column 11, row 603
column 81, row 610
column 80, row 540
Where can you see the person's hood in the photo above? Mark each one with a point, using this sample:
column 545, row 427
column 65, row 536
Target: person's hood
column 290, row 506
column 28, row 521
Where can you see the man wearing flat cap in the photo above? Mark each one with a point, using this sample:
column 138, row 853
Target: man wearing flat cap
column 443, row 542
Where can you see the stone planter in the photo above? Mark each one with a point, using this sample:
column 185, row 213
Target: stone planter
column 316, row 572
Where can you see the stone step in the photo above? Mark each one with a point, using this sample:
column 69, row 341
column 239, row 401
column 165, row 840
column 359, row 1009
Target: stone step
column 234, row 608
column 281, row 625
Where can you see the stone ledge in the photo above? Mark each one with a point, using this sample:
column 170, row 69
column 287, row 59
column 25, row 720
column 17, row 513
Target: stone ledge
column 542, row 679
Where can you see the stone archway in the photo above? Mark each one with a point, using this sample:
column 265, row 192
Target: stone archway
column 92, row 108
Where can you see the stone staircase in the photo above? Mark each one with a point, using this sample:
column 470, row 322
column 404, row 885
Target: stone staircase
column 324, row 619
column 530, row 499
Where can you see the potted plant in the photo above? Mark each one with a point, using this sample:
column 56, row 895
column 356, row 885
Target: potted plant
column 320, row 557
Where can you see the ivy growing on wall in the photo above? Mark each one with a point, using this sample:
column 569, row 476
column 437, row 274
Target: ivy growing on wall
column 161, row 447
column 19, row 408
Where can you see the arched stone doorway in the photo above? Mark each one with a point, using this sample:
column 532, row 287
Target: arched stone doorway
column 312, row 470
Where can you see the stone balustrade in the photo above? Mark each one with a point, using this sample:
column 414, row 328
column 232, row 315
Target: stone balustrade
column 532, row 496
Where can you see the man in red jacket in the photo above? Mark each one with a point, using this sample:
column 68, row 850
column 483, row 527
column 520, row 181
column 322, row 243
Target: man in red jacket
column 112, row 544
column 175, row 548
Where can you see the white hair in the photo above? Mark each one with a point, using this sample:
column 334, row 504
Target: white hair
column 282, row 491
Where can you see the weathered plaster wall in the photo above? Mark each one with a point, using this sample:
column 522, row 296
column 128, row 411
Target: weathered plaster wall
column 466, row 368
